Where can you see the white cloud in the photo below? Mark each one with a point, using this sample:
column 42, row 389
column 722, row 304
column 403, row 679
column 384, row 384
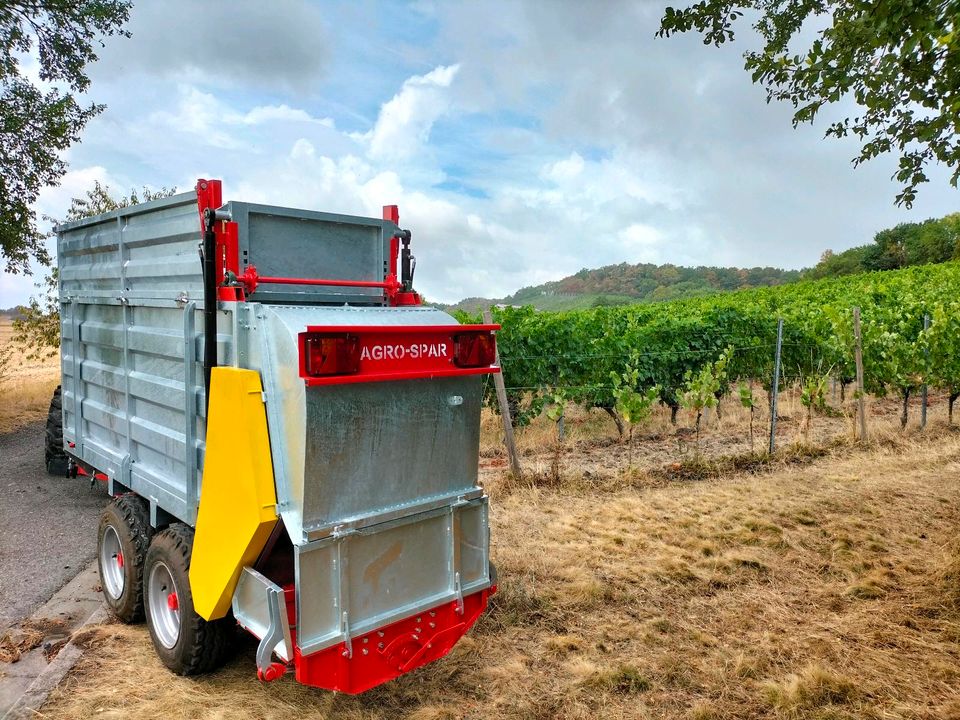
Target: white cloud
column 404, row 123
column 263, row 114
column 197, row 113
column 563, row 170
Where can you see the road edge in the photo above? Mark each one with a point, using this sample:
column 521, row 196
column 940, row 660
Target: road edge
column 37, row 693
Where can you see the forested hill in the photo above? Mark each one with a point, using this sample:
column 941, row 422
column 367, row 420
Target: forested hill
column 906, row 245
column 624, row 283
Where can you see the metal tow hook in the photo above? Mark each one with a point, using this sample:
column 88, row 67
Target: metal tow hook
column 274, row 671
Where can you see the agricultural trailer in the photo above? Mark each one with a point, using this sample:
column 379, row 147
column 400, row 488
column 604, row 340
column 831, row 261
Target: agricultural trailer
column 289, row 435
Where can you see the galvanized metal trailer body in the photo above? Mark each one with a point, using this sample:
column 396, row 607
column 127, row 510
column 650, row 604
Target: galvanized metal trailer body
column 374, row 469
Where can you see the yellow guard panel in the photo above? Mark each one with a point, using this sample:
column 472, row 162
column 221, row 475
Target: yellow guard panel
column 238, row 498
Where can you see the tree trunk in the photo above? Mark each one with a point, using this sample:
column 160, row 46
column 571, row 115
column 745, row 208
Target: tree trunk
column 903, row 415
column 751, row 428
column 673, row 413
column 615, row 416
column 953, row 399
column 843, row 392
column 718, row 395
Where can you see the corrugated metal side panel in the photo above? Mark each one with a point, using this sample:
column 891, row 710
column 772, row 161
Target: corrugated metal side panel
column 131, row 318
column 133, row 396
column 138, row 254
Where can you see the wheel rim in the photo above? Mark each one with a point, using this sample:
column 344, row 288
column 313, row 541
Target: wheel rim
column 111, row 563
column 164, row 605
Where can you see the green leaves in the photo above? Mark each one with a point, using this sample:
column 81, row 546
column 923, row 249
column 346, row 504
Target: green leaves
column 701, row 387
column 38, row 121
column 813, row 390
column 686, row 352
column 633, row 405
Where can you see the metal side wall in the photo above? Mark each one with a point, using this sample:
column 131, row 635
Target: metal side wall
column 131, row 316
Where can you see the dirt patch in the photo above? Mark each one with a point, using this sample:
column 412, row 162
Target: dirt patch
column 26, row 386
column 28, row 635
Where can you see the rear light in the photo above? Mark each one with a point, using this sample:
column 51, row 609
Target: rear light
column 334, row 354
column 474, row 349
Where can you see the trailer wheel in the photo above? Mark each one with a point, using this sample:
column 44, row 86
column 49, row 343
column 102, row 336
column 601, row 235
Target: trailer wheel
column 122, row 542
column 186, row 643
column 53, row 455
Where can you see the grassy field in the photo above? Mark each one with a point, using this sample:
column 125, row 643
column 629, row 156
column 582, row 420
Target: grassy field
column 824, row 584
column 25, row 385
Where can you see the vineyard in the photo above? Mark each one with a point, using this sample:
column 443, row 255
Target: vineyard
column 691, row 353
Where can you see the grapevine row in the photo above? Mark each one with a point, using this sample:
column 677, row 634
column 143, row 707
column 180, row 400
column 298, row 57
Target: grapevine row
column 666, row 343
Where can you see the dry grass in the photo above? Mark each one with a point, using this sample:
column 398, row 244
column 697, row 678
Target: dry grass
column 820, row 591
column 25, row 385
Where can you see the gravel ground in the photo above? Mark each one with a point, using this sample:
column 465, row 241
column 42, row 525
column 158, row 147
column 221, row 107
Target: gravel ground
column 48, row 525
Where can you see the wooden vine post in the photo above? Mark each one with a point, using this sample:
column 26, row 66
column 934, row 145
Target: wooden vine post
column 858, row 357
column 505, row 411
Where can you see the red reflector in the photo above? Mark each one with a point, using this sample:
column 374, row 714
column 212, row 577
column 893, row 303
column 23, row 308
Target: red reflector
column 331, row 354
column 475, row 349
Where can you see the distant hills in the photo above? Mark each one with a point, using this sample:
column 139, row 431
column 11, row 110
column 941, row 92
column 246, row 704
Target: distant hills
column 907, row 244
column 625, row 284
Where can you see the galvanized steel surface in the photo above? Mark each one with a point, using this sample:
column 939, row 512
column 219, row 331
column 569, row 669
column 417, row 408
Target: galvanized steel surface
column 292, row 243
column 365, row 579
column 133, row 397
column 271, row 346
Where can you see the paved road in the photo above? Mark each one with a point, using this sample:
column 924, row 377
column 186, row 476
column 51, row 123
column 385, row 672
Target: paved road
column 48, row 525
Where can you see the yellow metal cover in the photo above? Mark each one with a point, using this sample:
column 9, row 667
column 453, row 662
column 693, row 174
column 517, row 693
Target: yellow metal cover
column 238, row 498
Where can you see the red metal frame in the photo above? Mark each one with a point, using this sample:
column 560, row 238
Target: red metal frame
column 398, row 352
column 381, row 655
column 210, row 196
column 96, row 475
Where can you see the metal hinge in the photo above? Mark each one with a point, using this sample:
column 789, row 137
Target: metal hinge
column 345, row 630
column 458, row 589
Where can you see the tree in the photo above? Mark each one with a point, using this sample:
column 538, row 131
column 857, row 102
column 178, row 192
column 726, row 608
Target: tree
column 38, row 122
column 899, row 61
column 38, row 327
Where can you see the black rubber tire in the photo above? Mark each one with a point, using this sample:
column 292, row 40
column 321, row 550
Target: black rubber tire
column 53, row 455
column 201, row 646
column 129, row 516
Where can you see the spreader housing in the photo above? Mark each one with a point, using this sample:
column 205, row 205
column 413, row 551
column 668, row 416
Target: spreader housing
column 285, row 395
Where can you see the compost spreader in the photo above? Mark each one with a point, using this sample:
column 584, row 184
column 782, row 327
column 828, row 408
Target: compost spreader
column 290, row 436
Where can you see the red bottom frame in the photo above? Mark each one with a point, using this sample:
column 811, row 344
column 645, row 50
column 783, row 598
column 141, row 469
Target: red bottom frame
column 391, row 651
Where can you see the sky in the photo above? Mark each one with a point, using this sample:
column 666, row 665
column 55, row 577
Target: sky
column 523, row 141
